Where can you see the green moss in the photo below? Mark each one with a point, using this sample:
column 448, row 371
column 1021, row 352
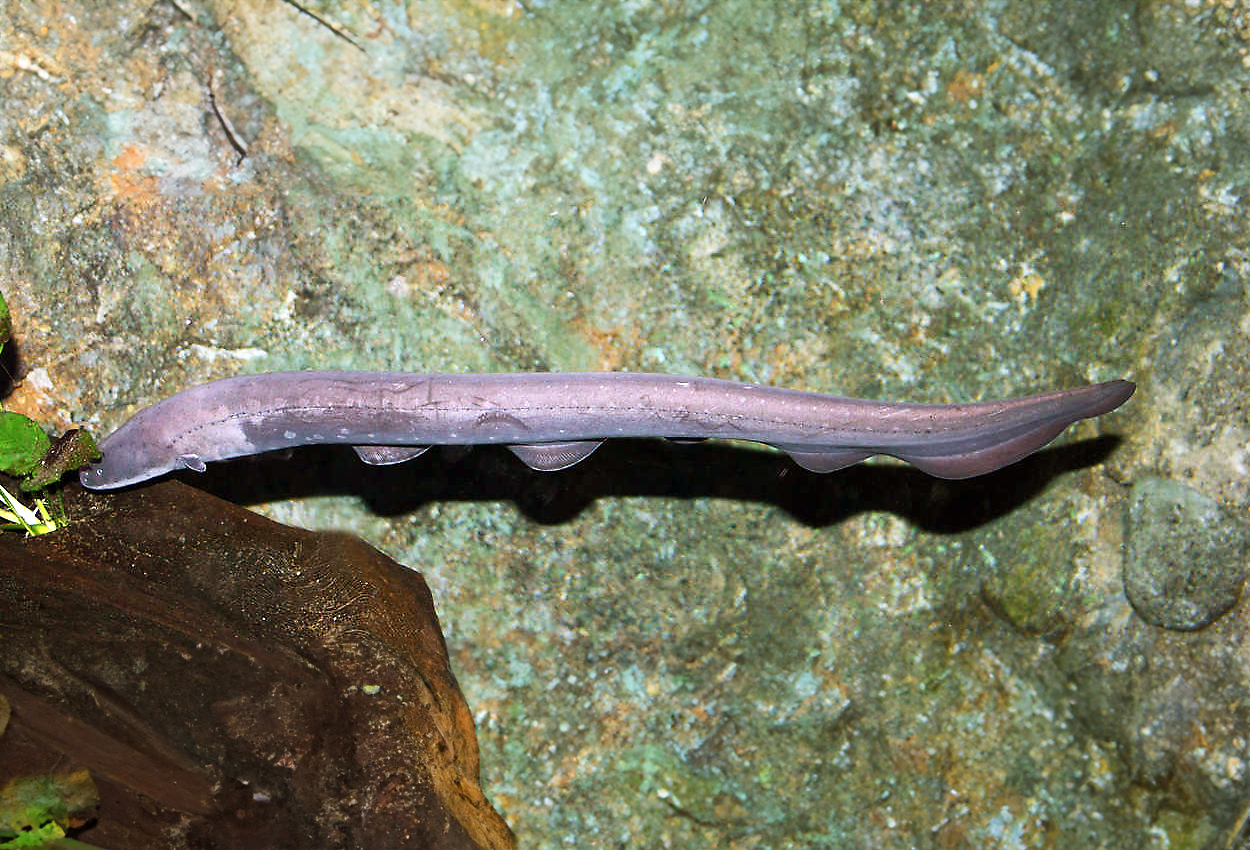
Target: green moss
column 1028, row 580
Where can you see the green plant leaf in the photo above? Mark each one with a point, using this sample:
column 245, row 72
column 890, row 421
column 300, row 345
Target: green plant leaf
column 22, row 444
column 6, row 326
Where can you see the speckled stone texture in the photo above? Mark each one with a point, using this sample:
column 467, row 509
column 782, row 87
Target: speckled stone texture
column 1186, row 559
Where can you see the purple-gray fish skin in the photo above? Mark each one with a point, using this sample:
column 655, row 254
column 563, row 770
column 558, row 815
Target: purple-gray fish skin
column 552, row 420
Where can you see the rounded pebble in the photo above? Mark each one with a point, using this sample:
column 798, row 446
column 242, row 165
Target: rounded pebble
column 1185, row 562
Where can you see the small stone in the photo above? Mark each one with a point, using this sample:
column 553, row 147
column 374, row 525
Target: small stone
column 1185, row 563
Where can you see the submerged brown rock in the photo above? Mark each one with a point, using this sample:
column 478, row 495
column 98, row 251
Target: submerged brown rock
column 230, row 681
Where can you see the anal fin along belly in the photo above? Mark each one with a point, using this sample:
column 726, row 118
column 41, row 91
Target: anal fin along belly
column 552, row 457
column 388, row 455
column 827, row 460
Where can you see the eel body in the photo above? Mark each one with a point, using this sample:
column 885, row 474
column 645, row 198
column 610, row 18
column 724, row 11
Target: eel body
column 553, row 420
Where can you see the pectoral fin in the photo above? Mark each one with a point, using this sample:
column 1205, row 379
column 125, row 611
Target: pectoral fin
column 387, row 455
column 551, row 457
column 192, row 462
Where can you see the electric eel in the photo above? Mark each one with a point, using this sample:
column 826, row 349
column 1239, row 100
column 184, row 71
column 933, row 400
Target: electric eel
column 553, row 420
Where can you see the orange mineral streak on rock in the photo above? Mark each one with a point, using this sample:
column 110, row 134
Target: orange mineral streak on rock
column 126, row 181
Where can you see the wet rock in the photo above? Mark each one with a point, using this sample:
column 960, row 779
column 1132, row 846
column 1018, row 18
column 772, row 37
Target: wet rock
column 1186, row 558
column 233, row 682
column 1172, row 708
column 1032, row 584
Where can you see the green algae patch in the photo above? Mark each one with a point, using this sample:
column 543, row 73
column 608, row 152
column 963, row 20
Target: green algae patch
column 37, row 810
column 69, row 452
column 1029, row 583
column 1031, row 564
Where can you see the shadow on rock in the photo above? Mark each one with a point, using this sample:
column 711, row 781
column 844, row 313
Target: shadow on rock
column 648, row 468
